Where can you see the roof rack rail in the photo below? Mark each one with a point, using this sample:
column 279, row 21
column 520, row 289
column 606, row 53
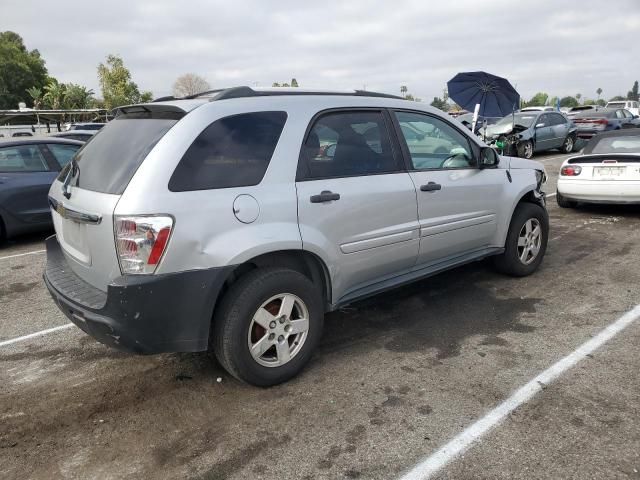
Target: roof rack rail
column 244, row 92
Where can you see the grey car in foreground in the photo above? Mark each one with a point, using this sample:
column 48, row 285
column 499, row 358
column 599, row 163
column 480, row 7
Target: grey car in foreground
column 526, row 133
column 28, row 167
column 235, row 219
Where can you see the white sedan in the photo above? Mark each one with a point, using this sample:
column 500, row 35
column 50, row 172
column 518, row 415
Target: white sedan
column 608, row 171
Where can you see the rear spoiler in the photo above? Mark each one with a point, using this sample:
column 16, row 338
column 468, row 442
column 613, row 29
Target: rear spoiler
column 599, row 158
column 155, row 111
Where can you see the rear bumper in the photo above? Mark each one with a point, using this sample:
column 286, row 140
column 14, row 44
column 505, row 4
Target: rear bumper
column 141, row 314
column 599, row 191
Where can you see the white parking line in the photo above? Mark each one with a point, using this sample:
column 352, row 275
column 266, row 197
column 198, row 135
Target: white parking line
column 549, row 195
column 436, row 461
column 22, row 254
column 36, row 334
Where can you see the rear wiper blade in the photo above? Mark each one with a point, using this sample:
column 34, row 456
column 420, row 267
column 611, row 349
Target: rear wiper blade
column 74, row 170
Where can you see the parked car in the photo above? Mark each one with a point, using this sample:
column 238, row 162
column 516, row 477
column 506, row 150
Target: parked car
column 27, row 169
column 629, row 105
column 591, row 123
column 85, row 126
column 467, row 120
column 573, row 111
column 80, row 135
column 22, row 134
column 221, row 221
column 608, row 171
column 546, row 108
column 523, row 134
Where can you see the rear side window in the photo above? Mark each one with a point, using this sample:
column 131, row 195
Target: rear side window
column 22, row 158
column 107, row 163
column 233, row 151
column 63, row 153
column 344, row 144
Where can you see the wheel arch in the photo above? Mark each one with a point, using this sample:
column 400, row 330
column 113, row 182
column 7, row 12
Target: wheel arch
column 301, row 261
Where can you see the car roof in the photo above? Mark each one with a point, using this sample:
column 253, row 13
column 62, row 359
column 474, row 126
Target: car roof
column 14, row 141
column 74, row 132
column 284, row 94
column 629, row 132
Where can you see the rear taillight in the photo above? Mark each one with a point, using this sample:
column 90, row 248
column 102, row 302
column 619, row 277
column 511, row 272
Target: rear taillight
column 570, row 171
column 141, row 241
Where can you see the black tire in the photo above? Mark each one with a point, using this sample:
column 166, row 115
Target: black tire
column 567, row 145
column 525, row 149
column 234, row 315
column 564, row 203
column 509, row 262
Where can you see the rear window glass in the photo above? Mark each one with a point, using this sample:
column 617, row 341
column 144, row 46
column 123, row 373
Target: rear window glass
column 234, row 151
column 626, row 144
column 107, row 163
column 63, row 153
column 22, row 158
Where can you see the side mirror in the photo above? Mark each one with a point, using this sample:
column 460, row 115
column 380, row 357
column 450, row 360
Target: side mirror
column 489, row 158
column 540, row 125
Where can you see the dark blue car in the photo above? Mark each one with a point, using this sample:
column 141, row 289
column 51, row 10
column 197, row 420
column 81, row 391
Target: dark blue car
column 28, row 167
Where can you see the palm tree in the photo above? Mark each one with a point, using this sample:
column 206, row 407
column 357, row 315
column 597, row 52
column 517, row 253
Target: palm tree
column 54, row 95
column 36, row 95
column 403, row 90
column 77, row 96
column 599, row 92
column 578, row 97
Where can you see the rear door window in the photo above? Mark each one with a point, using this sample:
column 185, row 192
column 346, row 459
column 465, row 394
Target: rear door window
column 107, row 163
column 347, row 143
column 234, row 151
column 63, row 153
column 22, row 158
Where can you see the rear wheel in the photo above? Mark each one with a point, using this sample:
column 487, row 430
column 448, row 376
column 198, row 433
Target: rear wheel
column 567, row 145
column 525, row 149
column 526, row 241
column 268, row 325
column 564, row 203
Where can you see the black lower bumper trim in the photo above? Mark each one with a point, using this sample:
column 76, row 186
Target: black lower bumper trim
column 140, row 313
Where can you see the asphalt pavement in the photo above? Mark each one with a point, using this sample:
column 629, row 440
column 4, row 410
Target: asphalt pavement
column 395, row 379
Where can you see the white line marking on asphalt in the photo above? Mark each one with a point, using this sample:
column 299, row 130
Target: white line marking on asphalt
column 550, row 195
column 436, row 461
column 36, row 334
column 22, row 254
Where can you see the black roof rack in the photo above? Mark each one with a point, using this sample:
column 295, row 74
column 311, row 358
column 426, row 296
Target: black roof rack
column 244, row 92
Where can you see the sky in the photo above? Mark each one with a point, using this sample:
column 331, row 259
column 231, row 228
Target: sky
column 561, row 47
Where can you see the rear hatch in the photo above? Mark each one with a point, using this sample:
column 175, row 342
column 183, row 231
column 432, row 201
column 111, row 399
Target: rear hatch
column 83, row 210
column 607, row 167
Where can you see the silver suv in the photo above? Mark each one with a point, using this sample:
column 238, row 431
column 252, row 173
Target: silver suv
column 235, row 219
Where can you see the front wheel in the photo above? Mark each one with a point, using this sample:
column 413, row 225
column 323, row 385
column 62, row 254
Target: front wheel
column 526, row 241
column 267, row 326
column 525, row 149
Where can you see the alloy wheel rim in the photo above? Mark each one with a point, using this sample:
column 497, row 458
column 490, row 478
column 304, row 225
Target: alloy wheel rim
column 528, row 150
column 568, row 145
column 529, row 241
column 278, row 330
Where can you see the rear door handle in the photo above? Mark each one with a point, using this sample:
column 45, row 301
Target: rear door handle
column 431, row 187
column 325, row 196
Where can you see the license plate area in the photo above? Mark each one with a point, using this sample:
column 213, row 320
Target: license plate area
column 608, row 172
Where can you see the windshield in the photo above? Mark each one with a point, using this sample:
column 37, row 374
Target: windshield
column 618, row 145
column 107, row 162
column 518, row 119
column 615, row 105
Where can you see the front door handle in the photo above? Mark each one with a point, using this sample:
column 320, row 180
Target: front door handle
column 325, row 196
column 431, row 187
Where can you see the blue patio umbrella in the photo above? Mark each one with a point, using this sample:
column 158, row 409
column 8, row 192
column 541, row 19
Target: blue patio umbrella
column 495, row 95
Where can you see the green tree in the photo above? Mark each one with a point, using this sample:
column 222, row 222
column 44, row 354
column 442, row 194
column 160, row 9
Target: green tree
column 601, row 102
column 117, row 86
column 617, row 98
column 54, row 94
column 633, row 93
column 146, row 96
column 578, row 97
column 538, row 100
column 568, row 102
column 409, row 96
column 294, row 82
column 275, row 84
column 77, row 96
column 403, row 90
column 36, row 95
column 20, row 70
column 599, row 92
column 440, row 104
